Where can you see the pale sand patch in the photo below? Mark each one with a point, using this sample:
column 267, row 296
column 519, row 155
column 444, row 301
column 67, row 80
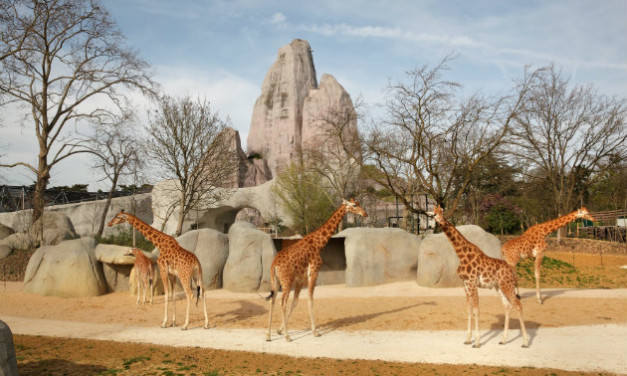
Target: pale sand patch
column 583, row 330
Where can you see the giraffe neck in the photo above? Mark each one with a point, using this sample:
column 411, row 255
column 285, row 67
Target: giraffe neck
column 322, row 235
column 154, row 236
column 455, row 237
column 552, row 225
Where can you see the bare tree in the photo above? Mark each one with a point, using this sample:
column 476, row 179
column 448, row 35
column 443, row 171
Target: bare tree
column 118, row 154
column 192, row 146
column 568, row 133
column 334, row 153
column 430, row 140
column 64, row 61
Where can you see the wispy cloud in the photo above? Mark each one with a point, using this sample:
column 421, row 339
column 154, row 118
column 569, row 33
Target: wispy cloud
column 397, row 33
column 277, row 18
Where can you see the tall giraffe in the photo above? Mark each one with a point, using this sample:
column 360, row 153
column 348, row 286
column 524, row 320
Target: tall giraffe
column 173, row 261
column 144, row 273
column 301, row 262
column 531, row 243
column 476, row 269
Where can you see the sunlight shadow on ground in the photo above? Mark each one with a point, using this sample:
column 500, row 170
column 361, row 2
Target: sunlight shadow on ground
column 345, row 321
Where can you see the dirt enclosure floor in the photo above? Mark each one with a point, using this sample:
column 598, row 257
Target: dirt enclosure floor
column 395, row 310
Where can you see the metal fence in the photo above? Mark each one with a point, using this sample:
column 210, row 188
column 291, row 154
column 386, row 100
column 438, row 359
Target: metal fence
column 14, row 198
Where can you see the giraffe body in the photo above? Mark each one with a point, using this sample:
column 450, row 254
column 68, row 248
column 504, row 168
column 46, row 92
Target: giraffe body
column 299, row 264
column 478, row 270
column 174, row 261
column 145, row 273
column 532, row 243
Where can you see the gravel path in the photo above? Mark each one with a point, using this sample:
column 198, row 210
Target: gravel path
column 574, row 348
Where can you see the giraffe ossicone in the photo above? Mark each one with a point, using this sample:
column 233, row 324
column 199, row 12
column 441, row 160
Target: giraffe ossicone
column 173, row 261
column 300, row 263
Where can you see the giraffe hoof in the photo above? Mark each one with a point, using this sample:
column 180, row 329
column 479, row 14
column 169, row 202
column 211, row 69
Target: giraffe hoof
column 316, row 333
column 525, row 346
column 467, row 342
column 501, row 342
column 279, row 331
column 184, row 328
column 268, row 339
column 476, row 346
column 288, row 339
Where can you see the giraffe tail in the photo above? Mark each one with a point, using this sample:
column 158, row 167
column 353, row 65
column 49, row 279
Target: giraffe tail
column 271, row 295
column 198, row 281
column 272, row 283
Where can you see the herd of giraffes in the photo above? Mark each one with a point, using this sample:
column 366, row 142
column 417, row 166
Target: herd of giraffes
column 301, row 262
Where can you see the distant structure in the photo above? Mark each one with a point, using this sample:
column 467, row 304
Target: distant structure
column 290, row 111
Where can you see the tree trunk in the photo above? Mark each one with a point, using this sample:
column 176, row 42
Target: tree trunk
column 179, row 225
column 43, row 176
column 105, row 210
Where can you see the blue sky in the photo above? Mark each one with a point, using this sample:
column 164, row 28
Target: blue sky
column 221, row 50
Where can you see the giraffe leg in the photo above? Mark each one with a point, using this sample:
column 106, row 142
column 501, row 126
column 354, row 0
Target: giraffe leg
column 188, row 294
column 172, row 283
column 274, row 283
column 145, row 283
column 313, row 276
column 166, row 287
column 538, row 264
column 474, row 301
column 152, row 288
column 269, row 335
column 523, row 330
column 284, row 298
column 468, row 340
column 297, row 287
column 507, row 305
column 139, row 285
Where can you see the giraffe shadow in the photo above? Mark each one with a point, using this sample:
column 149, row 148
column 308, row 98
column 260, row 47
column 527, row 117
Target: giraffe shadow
column 546, row 295
column 337, row 324
column 496, row 330
column 243, row 312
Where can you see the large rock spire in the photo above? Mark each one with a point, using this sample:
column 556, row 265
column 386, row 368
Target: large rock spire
column 276, row 126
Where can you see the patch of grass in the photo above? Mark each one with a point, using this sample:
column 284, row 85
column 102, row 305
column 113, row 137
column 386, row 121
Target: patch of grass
column 128, row 362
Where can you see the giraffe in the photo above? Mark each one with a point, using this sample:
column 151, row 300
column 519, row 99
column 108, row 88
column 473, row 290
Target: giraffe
column 144, row 273
column 301, row 262
column 173, row 261
column 476, row 269
column 531, row 243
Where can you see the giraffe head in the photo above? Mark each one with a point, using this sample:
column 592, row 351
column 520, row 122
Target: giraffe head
column 437, row 214
column 352, row 206
column 584, row 213
column 119, row 218
column 133, row 252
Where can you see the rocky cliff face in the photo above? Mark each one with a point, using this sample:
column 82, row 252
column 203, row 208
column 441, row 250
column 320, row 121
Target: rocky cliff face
column 275, row 129
column 250, row 171
column 287, row 114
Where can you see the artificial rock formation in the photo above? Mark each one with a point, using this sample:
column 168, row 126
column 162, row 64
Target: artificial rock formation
column 438, row 262
column 379, row 255
column 69, row 269
column 291, row 106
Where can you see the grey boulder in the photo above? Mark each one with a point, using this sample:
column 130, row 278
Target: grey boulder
column 438, row 262
column 379, row 255
column 251, row 252
column 69, row 269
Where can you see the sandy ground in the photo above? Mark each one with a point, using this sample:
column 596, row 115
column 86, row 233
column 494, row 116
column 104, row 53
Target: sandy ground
column 578, row 330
